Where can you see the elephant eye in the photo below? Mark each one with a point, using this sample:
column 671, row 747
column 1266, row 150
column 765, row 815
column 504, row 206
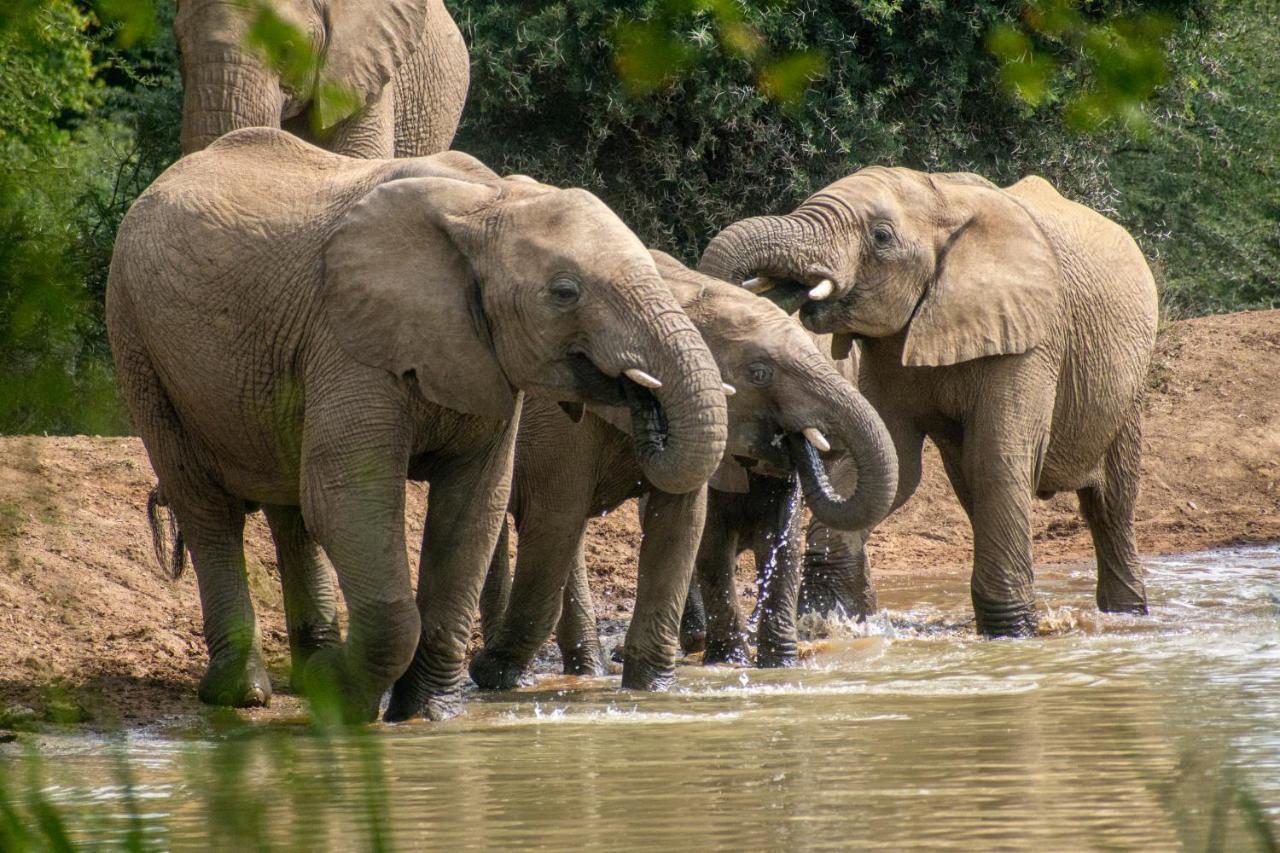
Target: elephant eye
column 563, row 290
column 882, row 235
column 759, row 373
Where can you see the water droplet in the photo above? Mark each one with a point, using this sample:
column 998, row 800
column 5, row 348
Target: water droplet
column 743, row 679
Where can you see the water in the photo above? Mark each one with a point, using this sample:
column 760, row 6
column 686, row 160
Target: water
column 1118, row 732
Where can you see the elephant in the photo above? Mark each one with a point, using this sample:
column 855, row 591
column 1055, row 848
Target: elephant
column 403, row 61
column 785, row 398
column 1012, row 327
column 302, row 331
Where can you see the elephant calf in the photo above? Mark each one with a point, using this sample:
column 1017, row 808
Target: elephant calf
column 1010, row 326
column 302, row 331
column 788, row 398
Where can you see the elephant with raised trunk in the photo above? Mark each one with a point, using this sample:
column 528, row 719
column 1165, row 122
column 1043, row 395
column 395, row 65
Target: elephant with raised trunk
column 1013, row 327
column 302, row 331
column 402, row 61
column 788, row 407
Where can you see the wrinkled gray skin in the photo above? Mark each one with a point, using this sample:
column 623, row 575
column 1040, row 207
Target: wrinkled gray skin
column 567, row 472
column 403, row 60
column 302, row 331
column 1011, row 326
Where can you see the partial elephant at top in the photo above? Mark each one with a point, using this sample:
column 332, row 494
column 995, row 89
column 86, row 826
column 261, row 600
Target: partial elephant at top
column 402, row 61
column 1012, row 327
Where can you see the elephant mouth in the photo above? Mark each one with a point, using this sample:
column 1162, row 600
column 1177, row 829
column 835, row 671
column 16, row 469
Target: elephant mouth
column 649, row 424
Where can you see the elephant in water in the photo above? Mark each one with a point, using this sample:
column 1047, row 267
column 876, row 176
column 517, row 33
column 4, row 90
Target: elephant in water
column 1011, row 326
column 302, row 331
column 789, row 405
column 404, row 62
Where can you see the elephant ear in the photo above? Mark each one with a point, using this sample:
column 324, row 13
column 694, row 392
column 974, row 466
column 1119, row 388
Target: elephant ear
column 367, row 43
column 996, row 287
column 400, row 294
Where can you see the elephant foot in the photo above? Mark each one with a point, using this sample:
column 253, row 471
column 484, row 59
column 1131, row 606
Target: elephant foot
column 776, row 653
column 1005, row 620
column 641, row 674
column 583, row 662
column 826, row 602
column 335, row 696
column 1119, row 598
column 305, row 643
column 236, row 681
column 492, row 671
column 726, row 651
column 1136, row 608
column 693, row 642
column 436, row 707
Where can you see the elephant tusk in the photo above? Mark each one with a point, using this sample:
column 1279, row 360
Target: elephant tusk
column 759, row 284
column 815, row 437
column 822, row 290
column 641, row 378
column 729, row 390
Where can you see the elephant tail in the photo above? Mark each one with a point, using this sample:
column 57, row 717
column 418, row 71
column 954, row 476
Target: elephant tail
column 172, row 558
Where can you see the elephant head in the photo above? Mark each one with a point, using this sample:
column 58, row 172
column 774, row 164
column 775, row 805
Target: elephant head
column 473, row 287
column 227, row 85
column 950, row 259
column 789, row 403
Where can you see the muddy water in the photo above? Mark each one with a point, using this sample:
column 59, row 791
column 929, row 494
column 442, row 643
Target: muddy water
column 1160, row 732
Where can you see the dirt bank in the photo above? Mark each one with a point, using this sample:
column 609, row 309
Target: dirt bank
column 90, row 630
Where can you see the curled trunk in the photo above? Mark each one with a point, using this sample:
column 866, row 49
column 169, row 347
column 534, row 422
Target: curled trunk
column 761, row 245
column 861, row 433
column 680, row 441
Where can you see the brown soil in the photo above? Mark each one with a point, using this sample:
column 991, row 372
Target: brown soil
column 91, row 630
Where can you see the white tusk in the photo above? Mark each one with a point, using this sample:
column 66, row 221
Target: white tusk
column 641, row 378
column 816, row 438
column 729, row 390
column 759, row 284
column 822, row 290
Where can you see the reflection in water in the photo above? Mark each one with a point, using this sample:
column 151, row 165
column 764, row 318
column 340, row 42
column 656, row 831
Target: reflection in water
column 1157, row 732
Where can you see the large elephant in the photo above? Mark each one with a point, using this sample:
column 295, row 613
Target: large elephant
column 789, row 398
column 1011, row 326
column 302, row 331
column 403, row 61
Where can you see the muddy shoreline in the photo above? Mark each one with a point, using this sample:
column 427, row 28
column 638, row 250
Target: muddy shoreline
column 92, row 633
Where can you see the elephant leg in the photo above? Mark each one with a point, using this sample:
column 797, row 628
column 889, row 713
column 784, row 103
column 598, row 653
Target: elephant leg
column 1108, row 510
column 431, row 88
column 993, row 482
column 837, row 573
column 672, row 527
column 496, row 593
column 213, row 528
column 576, row 633
column 775, row 511
column 717, row 562
column 550, row 547
column 693, row 621
column 466, row 509
column 310, row 597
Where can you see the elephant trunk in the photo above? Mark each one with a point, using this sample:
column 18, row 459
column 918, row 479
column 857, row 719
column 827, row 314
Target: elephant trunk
column 680, row 441
column 223, row 92
column 863, row 436
column 761, row 245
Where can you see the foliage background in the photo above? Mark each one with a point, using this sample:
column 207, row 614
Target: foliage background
column 745, row 109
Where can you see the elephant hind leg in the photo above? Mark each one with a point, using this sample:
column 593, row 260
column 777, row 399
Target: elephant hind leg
column 310, row 597
column 1108, row 510
column 576, row 632
column 211, row 521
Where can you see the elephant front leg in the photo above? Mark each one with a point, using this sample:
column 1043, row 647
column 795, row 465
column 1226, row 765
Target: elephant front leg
column 995, row 490
column 576, row 633
column 837, row 576
column 310, row 598
column 1108, row 510
column 693, row 621
column 495, row 596
column 672, row 527
column 466, row 506
column 778, row 552
column 717, row 560
column 550, row 546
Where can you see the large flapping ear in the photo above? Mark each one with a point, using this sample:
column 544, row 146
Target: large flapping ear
column 995, row 289
column 367, row 42
column 401, row 295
